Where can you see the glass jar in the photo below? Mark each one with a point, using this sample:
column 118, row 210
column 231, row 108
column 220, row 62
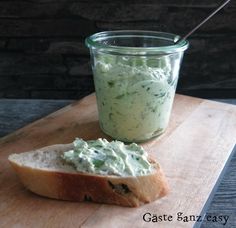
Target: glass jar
column 135, row 76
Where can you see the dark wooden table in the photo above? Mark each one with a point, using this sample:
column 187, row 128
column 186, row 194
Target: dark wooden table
column 15, row 114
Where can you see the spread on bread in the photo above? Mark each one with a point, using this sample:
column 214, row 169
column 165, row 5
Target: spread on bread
column 108, row 158
column 135, row 178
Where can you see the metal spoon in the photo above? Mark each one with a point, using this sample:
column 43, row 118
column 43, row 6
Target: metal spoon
column 179, row 39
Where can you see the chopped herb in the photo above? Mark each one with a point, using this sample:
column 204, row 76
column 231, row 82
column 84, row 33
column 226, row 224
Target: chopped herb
column 160, row 94
column 98, row 163
column 132, row 93
column 111, row 83
column 153, row 110
column 110, row 116
column 158, row 131
column 118, row 113
column 119, row 96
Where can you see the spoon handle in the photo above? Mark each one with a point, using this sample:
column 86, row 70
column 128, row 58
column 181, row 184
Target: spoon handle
column 202, row 22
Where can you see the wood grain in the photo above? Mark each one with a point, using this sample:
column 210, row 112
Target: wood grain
column 192, row 152
column 42, row 44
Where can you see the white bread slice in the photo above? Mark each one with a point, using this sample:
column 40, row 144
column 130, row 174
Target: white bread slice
column 44, row 173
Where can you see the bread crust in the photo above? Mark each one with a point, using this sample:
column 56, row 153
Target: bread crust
column 77, row 186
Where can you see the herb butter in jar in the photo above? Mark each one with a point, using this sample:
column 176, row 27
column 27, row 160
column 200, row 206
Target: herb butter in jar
column 135, row 76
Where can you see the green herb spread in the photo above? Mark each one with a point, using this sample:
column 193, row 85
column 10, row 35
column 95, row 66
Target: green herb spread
column 134, row 95
column 108, row 158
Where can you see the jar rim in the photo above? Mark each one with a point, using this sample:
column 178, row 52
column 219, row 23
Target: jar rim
column 94, row 42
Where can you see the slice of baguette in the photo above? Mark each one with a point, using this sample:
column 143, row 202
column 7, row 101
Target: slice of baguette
column 44, row 173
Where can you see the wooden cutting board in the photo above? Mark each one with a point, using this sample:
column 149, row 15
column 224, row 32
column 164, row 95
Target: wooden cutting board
column 192, row 152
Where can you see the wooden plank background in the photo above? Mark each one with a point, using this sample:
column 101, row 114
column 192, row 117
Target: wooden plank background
column 42, row 51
